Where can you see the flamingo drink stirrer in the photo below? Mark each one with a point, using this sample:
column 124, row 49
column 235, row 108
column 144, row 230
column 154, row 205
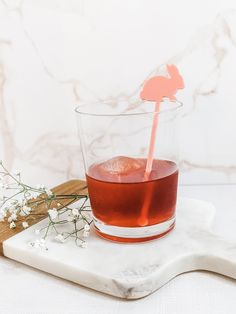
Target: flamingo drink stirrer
column 155, row 89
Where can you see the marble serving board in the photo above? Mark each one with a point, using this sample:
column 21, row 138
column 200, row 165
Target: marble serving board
column 132, row 271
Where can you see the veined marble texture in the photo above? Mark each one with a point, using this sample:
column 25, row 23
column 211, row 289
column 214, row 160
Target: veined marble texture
column 133, row 271
column 55, row 53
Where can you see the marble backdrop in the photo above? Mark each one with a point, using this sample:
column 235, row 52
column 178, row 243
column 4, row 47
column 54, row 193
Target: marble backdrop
column 55, row 53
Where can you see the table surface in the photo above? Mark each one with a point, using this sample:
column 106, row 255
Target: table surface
column 24, row 290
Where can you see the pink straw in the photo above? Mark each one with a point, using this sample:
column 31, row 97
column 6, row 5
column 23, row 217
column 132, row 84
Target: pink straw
column 143, row 220
column 152, row 142
column 155, row 89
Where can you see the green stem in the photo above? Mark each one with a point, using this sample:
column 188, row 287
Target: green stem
column 9, row 198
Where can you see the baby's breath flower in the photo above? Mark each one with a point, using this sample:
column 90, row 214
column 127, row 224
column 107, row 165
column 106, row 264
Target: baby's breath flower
column 22, row 202
column 25, row 211
column 13, row 217
column 34, row 194
column 83, row 244
column 22, row 213
column 11, row 209
column 75, row 212
column 41, row 243
column 86, row 227
column 28, row 195
column 37, row 231
column 60, row 238
column 40, row 186
column 15, row 202
column 48, row 192
column 16, row 173
column 70, row 218
column 53, row 213
column 85, row 234
column 25, row 224
column 12, row 225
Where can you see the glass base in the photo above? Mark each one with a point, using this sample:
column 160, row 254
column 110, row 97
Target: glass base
column 133, row 234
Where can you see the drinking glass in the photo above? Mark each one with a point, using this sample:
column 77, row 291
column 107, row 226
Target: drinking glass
column 127, row 204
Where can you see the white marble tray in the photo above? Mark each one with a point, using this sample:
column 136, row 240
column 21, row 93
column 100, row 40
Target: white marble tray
column 133, row 271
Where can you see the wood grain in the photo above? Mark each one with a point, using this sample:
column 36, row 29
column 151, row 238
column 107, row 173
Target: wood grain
column 69, row 187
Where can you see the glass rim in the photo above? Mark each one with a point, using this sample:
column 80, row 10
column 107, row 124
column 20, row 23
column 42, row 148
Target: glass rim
column 178, row 105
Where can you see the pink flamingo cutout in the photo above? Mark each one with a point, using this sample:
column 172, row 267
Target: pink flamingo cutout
column 155, row 89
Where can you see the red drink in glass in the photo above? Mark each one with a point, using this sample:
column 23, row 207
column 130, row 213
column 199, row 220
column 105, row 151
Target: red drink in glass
column 129, row 202
column 118, row 193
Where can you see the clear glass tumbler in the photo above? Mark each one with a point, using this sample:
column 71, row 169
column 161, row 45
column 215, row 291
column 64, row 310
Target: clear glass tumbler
column 128, row 205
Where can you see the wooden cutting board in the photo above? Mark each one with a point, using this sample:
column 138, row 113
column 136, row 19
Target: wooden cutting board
column 69, row 187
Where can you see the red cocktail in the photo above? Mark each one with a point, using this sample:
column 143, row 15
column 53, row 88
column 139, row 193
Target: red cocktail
column 118, row 193
column 131, row 200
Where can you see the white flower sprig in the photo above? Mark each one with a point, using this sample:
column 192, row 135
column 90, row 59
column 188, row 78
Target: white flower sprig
column 18, row 202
